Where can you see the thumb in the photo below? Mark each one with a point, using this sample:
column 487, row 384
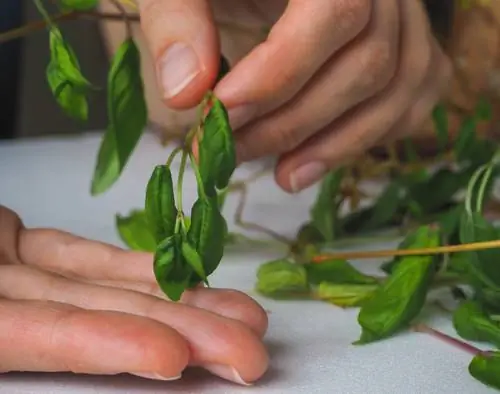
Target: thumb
column 184, row 42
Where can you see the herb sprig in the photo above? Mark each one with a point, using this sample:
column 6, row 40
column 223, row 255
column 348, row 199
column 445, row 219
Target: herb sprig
column 440, row 209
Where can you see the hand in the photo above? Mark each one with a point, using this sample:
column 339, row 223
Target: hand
column 333, row 78
column 72, row 305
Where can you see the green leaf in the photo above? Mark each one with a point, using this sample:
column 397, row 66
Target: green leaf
column 466, row 138
column 385, row 207
column 127, row 113
column 172, row 273
column 483, row 110
column 449, row 221
column 78, row 5
column 135, row 232
column 193, row 259
column 160, row 203
column 216, row 149
column 65, row 79
column 483, row 263
column 440, row 118
column 485, row 367
column 336, row 271
column 412, row 240
column 472, row 323
column 345, row 295
column 279, row 278
column 324, row 212
column 400, row 299
column 221, row 198
column 207, row 232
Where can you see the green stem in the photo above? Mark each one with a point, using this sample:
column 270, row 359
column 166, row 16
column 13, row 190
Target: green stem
column 180, row 180
column 197, row 174
column 172, row 156
column 41, row 9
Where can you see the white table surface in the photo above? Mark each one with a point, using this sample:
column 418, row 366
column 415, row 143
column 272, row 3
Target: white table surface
column 309, row 342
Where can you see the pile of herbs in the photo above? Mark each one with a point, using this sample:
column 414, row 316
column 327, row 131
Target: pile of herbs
column 448, row 243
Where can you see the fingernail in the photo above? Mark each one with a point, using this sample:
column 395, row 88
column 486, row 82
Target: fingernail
column 226, row 372
column 155, row 376
column 307, row 175
column 241, row 115
column 178, row 66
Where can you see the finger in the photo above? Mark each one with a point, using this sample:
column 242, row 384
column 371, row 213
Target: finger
column 305, row 37
column 433, row 88
column 229, row 303
column 358, row 72
column 358, row 130
column 221, row 345
column 52, row 337
column 76, row 257
column 10, row 228
column 184, row 42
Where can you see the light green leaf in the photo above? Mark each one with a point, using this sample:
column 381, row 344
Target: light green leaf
column 192, row 257
column 344, row 295
column 78, row 5
column 135, row 232
column 127, row 114
column 282, row 278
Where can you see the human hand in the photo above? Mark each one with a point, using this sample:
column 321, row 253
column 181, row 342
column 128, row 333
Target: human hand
column 332, row 79
column 72, row 305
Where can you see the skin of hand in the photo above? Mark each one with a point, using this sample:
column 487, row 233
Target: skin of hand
column 331, row 79
column 68, row 304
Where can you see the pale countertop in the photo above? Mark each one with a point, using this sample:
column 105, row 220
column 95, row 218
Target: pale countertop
column 47, row 182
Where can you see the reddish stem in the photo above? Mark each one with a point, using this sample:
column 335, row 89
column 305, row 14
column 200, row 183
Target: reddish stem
column 448, row 339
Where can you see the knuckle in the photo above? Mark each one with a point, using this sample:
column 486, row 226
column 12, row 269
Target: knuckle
column 286, row 140
column 379, row 66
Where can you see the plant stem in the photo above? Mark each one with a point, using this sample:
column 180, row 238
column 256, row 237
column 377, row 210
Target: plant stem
column 124, row 15
column 172, row 156
column 409, row 252
column 422, row 328
column 180, row 180
column 197, row 174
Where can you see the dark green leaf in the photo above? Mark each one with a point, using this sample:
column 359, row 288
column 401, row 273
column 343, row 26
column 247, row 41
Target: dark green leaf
column 385, row 207
column 489, row 298
column 280, row 278
column 449, row 221
column 440, row 118
column 336, row 271
column 325, row 210
column 466, row 138
column 160, row 203
column 483, row 109
column 410, row 151
column 208, row 232
column 485, row 367
column 221, row 198
column 345, row 295
column 216, row 149
column 483, row 263
column 400, row 299
column 411, row 240
column 171, row 271
column 472, row 323
column 135, row 232
column 127, row 114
